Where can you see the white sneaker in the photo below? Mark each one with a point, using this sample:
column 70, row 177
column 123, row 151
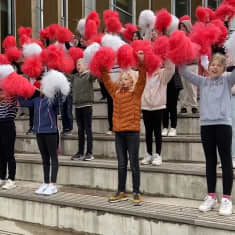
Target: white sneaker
column 172, row 132
column 208, row 204
column 109, row 133
column 225, row 207
column 10, row 184
column 41, row 189
column 157, row 160
column 147, row 159
column 2, row 182
column 164, row 132
column 51, row 189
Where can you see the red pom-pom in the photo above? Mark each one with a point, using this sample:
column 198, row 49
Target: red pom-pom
column 163, row 20
column 64, row 35
column 204, row 14
column 32, row 66
column 185, row 17
column 76, row 53
column 130, row 29
column 223, row 31
column 51, row 56
column 230, row 2
column 93, row 15
column 204, row 35
column 4, row 60
column 113, row 25
column 181, row 49
column 125, row 57
column 161, row 47
column 25, row 31
column 43, row 34
column 103, row 58
column 107, row 14
column 37, row 84
column 52, row 31
column 152, row 62
column 90, row 29
column 66, row 64
column 13, row 54
column 96, row 38
column 225, row 11
column 141, row 45
column 8, row 42
column 17, row 85
column 24, row 39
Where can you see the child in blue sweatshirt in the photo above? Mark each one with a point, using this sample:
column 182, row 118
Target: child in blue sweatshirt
column 45, row 128
column 216, row 128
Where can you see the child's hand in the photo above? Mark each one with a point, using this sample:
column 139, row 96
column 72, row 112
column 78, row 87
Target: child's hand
column 140, row 55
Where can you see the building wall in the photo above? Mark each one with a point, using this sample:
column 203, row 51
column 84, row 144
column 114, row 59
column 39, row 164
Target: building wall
column 51, row 12
column 75, row 12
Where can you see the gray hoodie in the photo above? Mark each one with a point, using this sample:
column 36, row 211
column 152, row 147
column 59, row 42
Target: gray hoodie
column 215, row 97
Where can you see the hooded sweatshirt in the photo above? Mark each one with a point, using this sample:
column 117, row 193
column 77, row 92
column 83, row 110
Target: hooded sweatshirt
column 215, row 97
column 154, row 95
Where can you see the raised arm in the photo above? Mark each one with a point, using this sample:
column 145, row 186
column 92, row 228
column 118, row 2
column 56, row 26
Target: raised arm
column 108, row 83
column 197, row 80
column 231, row 78
column 167, row 72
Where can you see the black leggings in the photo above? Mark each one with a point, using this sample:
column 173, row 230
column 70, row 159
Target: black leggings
column 152, row 123
column 7, row 148
column 218, row 137
column 47, row 144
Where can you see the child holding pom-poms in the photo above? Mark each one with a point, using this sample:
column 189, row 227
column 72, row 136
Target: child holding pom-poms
column 216, row 128
column 126, row 124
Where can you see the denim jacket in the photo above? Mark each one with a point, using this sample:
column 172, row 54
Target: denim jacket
column 45, row 113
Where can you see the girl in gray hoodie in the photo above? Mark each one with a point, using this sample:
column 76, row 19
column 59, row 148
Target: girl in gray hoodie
column 216, row 128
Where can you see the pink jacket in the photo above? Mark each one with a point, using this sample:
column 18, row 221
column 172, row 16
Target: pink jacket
column 154, row 95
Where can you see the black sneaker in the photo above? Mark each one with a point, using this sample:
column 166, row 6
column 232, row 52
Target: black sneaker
column 137, row 199
column 29, row 132
column 183, row 110
column 77, row 157
column 88, row 157
column 66, row 132
column 194, row 110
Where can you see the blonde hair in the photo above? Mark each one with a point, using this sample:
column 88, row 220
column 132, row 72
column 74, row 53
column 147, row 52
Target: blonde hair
column 130, row 74
column 220, row 58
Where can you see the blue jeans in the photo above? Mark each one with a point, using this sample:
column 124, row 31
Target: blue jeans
column 128, row 142
column 233, row 125
column 66, row 113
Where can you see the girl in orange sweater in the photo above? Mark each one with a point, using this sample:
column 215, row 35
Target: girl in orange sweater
column 126, row 96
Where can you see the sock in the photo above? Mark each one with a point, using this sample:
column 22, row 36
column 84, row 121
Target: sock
column 227, row 196
column 213, row 195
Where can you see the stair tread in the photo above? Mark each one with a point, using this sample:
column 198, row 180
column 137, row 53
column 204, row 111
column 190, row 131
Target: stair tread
column 171, row 210
column 197, row 169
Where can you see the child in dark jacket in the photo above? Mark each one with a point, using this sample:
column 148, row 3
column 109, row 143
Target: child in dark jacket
column 83, row 98
column 45, row 128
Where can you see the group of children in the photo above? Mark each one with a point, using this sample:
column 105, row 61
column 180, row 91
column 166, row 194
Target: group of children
column 156, row 96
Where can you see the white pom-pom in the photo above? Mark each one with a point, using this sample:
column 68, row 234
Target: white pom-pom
column 173, row 26
column 89, row 53
column 53, row 82
column 5, row 70
column 147, row 20
column 113, row 41
column 31, row 49
column 81, row 26
column 229, row 45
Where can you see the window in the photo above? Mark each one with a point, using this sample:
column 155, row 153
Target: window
column 124, row 8
column 213, row 4
column 182, row 7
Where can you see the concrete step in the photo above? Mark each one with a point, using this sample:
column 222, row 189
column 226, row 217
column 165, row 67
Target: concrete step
column 187, row 125
column 179, row 148
column 87, row 213
column 178, row 180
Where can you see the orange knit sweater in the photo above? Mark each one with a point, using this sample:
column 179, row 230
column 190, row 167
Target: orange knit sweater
column 126, row 104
